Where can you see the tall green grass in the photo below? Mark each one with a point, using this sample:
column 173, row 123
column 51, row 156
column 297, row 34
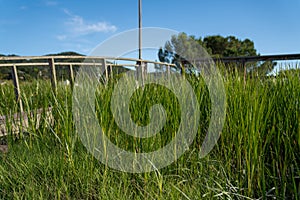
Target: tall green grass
column 257, row 155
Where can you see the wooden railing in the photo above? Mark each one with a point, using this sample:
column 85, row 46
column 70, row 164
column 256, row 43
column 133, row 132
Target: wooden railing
column 20, row 119
column 55, row 61
column 108, row 62
column 245, row 59
column 52, row 62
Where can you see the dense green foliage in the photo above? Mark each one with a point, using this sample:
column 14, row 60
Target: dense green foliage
column 228, row 46
column 183, row 47
column 257, row 155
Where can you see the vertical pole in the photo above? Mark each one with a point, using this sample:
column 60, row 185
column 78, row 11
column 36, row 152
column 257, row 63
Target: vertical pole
column 71, row 73
column 53, row 75
column 140, row 29
column 17, row 87
column 140, row 65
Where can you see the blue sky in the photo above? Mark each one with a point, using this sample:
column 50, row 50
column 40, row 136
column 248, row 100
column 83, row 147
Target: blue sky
column 39, row 27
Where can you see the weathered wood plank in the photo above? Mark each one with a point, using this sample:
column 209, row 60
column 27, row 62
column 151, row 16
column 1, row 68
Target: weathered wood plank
column 79, row 64
column 71, row 74
column 17, row 87
column 3, row 148
column 53, row 75
column 20, row 122
column 23, row 64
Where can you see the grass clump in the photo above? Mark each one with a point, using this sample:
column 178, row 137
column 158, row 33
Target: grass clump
column 257, row 155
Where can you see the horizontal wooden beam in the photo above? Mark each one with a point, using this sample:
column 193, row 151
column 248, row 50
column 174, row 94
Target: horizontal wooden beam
column 23, row 64
column 260, row 58
column 30, row 58
column 83, row 63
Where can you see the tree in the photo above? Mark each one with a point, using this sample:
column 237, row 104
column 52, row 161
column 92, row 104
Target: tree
column 216, row 46
column 181, row 50
column 230, row 46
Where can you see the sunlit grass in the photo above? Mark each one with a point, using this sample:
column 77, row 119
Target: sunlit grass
column 257, row 155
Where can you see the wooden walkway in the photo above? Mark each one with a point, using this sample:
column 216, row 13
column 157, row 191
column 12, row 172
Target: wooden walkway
column 3, row 148
column 23, row 121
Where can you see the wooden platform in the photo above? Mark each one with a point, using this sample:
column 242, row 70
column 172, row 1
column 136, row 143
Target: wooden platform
column 23, row 121
column 3, row 148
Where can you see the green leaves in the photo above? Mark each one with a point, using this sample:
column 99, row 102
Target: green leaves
column 182, row 48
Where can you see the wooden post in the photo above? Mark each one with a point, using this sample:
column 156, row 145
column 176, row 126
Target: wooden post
column 144, row 71
column 17, row 87
column 71, row 73
column 141, row 71
column 182, row 69
column 111, row 70
column 53, row 75
column 245, row 71
column 106, row 70
column 168, row 69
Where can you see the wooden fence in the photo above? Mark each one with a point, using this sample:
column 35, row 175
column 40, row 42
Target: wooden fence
column 107, row 63
column 141, row 66
column 52, row 63
column 245, row 59
column 242, row 60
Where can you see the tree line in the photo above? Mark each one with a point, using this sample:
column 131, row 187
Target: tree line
column 183, row 47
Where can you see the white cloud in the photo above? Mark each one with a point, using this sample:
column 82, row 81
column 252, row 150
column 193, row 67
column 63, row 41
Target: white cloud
column 51, row 3
column 79, row 26
column 23, row 8
column 76, row 35
column 61, row 37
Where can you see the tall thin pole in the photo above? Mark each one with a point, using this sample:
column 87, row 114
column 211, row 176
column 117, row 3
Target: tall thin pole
column 140, row 29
